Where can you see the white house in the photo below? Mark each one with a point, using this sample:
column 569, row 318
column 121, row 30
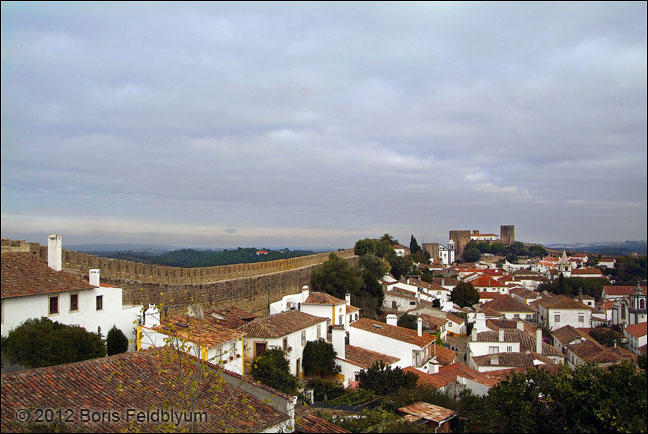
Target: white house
column 32, row 289
column 476, row 236
column 289, row 331
column 412, row 347
column 352, row 359
column 568, row 335
column 636, row 336
column 509, row 308
column 559, row 311
column 447, row 254
column 196, row 336
column 631, row 308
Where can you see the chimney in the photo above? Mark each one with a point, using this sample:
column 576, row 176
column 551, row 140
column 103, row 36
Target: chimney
column 473, row 335
column 305, row 293
column 54, row 252
column 580, row 295
column 339, row 341
column 494, row 360
column 347, row 298
column 539, row 340
column 419, row 326
column 392, row 319
column 93, row 277
column 501, row 335
column 520, row 325
column 418, row 297
column 442, row 282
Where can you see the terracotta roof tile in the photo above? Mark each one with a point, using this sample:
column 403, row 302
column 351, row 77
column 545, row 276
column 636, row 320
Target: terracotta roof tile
column 281, row 324
column 394, row 332
column 637, row 330
column 511, row 360
column 309, row 423
column 365, row 358
column 230, row 317
column 623, row 291
column 507, row 304
column 427, row 411
column 562, row 302
column 568, row 334
column 142, row 381
column 199, row 331
column 322, row 298
column 24, row 274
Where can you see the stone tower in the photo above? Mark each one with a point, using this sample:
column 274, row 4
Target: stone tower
column 460, row 238
column 507, row 234
column 432, row 249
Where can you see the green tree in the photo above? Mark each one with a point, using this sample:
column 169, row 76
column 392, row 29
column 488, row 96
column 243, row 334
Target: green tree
column 336, row 277
column 385, row 250
column 391, row 240
column 39, row 342
column 465, row 294
column 608, row 337
column 586, row 399
column 414, row 246
column 319, row 358
column 272, row 369
column 116, row 341
column 483, row 247
column 325, row 390
column 537, row 251
column 407, row 321
column 471, row 255
column 400, row 265
column 365, row 247
column 373, row 265
column 497, row 248
column 512, row 258
column 382, row 379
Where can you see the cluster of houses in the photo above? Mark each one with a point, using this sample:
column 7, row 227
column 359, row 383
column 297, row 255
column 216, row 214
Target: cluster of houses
column 500, row 334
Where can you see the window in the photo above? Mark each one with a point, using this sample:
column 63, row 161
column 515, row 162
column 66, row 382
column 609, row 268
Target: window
column 53, row 305
column 493, row 350
column 100, row 302
column 516, row 315
column 581, row 318
column 285, row 344
column 529, row 317
column 303, row 337
column 74, row 302
column 509, row 349
column 340, row 320
column 556, row 318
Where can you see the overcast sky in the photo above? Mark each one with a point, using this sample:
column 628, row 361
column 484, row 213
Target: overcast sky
column 316, row 125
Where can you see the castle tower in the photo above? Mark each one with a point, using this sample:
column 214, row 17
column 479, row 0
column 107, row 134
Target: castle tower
column 461, row 238
column 507, row 234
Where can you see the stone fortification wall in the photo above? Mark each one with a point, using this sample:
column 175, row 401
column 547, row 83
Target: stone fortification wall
column 248, row 286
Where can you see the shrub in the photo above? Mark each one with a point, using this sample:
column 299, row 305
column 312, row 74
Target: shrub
column 116, row 342
column 272, row 369
column 325, row 390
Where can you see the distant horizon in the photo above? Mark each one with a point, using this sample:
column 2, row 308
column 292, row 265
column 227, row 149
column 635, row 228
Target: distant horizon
column 42, row 240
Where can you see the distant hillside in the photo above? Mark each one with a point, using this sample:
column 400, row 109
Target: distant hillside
column 107, row 248
column 189, row 258
column 605, row 248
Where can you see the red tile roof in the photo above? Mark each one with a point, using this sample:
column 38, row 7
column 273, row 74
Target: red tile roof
column 281, row 324
column 199, row 331
column 562, row 302
column 365, row 358
column 511, row 360
column 230, row 317
column 586, row 271
column 309, row 423
column 507, row 304
column 427, row 411
column 637, row 330
column 322, row 298
column 486, row 282
column 24, row 274
column 394, row 332
column 622, row 291
column 143, row 381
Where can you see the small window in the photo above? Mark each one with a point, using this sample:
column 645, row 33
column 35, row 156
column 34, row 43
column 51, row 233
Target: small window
column 516, row 315
column 556, row 318
column 509, row 349
column 303, row 337
column 285, row 344
column 493, row 350
column 74, row 302
column 100, row 302
column 581, row 318
column 53, row 305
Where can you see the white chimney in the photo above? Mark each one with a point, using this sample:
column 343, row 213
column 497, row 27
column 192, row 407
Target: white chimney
column 54, row 252
column 501, row 335
column 339, row 341
column 93, row 277
column 520, row 325
column 347, row 298
column 419, row 326
column 392, row 319
column 539, row 340
column 151, row 316
column 305, row 293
